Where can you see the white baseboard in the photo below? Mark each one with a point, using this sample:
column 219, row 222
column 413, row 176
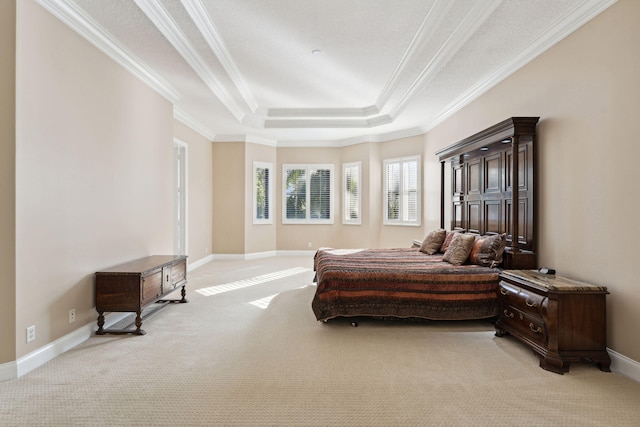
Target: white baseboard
column 40, row 356
column 199, row 263
column 624, row 366
column 310, row 253
column 8, row 371
column 254, row 255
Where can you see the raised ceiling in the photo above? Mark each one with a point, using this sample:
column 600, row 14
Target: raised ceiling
column 321, row 72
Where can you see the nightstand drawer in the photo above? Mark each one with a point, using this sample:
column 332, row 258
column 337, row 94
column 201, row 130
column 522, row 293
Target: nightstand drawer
column 530, row 326
column 526, row 301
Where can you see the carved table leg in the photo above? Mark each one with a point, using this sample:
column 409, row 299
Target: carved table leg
column 100, row 330
column 183, row 293
column 139, row 331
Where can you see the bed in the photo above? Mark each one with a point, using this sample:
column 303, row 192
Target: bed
column 401, row 283
column 442, row 283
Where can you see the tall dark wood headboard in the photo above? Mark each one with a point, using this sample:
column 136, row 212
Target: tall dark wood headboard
column 485, row 167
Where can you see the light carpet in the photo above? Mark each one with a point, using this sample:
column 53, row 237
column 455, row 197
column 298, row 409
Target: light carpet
column 247, row 350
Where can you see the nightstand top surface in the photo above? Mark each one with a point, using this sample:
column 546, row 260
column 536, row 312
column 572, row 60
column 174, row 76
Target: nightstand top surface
column 551, row 281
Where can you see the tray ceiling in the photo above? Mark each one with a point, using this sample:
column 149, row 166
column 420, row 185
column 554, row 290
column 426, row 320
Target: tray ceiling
column 321, row 72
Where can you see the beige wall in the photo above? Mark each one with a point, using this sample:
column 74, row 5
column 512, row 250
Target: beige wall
column 585, row 89
column 199, row 191
column 94, row 174
column 7, row 180
column 229, row 201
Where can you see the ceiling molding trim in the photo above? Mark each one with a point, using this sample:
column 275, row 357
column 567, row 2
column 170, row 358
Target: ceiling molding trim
column 426, row 31
column 254, row 139
column 189, row 121
column 362, row 139
column 165, row 24
column 465, row 29
column 554, row 34
column 199, row 15
column 355, row 112
column 328, row 123
column 76, row 19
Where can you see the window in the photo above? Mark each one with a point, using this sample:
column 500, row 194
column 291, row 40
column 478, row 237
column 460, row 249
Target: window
column 351, row 201
column 402, row 191
column 308, row 194
column 262, row 193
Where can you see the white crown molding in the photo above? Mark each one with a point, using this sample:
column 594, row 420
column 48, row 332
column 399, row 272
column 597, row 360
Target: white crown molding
column 322, row 118
column 348, row 118
column 355, row 112
column 475, row 17
column 165, row 24
column 426, row 31
column 255, row 139
column 554, row 34
column 361, row 139
column 199, row 15
column 379, row 120
column 71, row 15
column 183, row 117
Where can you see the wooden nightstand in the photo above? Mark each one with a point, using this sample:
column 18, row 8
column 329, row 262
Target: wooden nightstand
column 562, row 320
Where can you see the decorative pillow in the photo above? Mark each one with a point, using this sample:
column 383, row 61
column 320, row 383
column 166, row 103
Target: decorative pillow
column 433, row 241
column 459, row 249
column 447, row 240
column 488, row 250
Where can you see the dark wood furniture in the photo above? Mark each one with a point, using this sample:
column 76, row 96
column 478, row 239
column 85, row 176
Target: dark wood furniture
column 134, row 285
column 486, row 168
column 562, row 320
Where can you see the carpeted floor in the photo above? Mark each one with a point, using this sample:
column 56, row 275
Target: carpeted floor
column 247, row 350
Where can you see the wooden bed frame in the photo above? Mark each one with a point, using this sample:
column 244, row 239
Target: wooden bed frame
column 485, row 168
column 492, row 192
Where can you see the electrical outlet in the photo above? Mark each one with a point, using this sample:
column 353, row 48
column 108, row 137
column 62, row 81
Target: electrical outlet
column 309, row 244
column 72, row 315
column 31, row 333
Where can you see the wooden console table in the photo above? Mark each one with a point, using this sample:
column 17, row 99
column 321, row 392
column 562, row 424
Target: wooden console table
column 132, row 286
column 562, row 320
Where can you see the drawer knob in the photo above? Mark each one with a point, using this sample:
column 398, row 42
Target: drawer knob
column 507, row 314
column 504, row 292
column 537, row 330
column 532, row 304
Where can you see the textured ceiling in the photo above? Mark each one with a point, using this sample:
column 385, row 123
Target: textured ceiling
column 244, row 70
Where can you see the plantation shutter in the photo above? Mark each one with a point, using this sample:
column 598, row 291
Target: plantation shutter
column 402, row 191
column 410, row 191
column 308, row 197
column 296, row 194
column 393, row 191
column 262, row 193
column 320, row 194
column 351, row 203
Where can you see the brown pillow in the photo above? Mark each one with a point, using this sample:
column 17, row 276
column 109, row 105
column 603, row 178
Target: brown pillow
column 433, row 241
column 459, row 249
column 447, row 240
column 488, row 250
